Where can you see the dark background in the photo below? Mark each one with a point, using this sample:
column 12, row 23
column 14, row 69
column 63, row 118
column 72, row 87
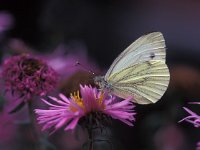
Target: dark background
column 105, row 28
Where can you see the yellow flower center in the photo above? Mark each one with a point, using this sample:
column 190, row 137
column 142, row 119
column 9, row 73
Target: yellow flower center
column 100, row 100
column 76, row 98
column 79, row 101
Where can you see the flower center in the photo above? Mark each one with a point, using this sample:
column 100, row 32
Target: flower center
column 30, row 66
column 100, row 99
column 80, row 102
column 76, row 98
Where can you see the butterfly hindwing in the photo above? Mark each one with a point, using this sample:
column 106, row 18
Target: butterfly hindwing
column 146, row 81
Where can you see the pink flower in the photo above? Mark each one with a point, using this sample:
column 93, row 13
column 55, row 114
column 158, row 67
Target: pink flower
column 6, row 21
column 67, row 112
column 192, row 118
column 26, row 76
column 63, row 60
column 198, row 146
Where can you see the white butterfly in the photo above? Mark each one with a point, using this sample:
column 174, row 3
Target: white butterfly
column 139, row 71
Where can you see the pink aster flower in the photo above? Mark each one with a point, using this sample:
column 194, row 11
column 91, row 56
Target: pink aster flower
column 193, row 118
column 67, row 112
column 25, row 76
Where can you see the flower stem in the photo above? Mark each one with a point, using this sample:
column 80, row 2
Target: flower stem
column 101, row 135
column 91, row 138
column 33, row 127
column 41, row 141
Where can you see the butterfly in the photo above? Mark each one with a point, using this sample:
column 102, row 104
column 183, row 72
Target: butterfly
column 139, row 71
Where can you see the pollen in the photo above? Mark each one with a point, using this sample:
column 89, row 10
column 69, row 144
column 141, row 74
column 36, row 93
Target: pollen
column 76, row 99
column 100, row 99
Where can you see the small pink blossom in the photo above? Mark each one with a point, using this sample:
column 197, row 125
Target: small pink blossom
column 6, row 21
column 193, row 118
column 25, row 76
column 198, row 146
column 67, row 112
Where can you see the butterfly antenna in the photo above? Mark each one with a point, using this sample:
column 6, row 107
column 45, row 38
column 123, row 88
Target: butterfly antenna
column 84, row 67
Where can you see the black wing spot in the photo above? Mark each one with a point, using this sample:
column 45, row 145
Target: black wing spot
column 152, row 55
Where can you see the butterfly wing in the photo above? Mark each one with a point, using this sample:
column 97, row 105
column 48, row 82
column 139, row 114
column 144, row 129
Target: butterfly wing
column 140, row 70
column 146, row 82
column 146, row 48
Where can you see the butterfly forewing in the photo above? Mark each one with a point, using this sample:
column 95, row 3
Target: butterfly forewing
column 146, row 81
column 146, row 48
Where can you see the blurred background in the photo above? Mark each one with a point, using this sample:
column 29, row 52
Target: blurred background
column 101, row 29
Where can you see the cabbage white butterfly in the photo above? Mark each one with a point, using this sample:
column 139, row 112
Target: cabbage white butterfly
column 139, row 71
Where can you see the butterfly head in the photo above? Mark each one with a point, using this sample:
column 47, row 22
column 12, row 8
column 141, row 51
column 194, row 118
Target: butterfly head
column 99, row 80
column 102, row 83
